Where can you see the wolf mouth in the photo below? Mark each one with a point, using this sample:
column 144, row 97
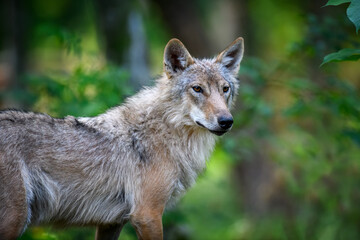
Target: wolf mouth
column 218, row 133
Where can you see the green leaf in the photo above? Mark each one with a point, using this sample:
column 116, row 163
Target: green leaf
column 353, row 13
column 336, row 2
column 347, row 54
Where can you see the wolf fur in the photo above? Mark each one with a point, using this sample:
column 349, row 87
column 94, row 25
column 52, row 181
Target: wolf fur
column 124, row 165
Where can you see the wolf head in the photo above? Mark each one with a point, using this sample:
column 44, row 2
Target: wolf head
column 207, row 87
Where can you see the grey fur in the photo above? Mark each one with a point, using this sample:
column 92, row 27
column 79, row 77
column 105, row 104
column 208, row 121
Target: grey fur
column 92, row 171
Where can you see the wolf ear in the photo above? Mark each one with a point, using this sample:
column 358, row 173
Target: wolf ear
column 231, row 57
column 176, row 57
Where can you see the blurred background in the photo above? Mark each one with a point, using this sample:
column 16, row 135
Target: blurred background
column 289, row 169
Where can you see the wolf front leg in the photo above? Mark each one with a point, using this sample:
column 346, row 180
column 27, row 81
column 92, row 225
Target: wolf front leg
column 154, row 191
column 148, row 224
column 108, row 232
column 13, row 205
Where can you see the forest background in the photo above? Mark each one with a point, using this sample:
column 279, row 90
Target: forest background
column 290, row 167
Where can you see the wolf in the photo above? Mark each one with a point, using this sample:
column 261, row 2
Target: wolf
column 125, row 165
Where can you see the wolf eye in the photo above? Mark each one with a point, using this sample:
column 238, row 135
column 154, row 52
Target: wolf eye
column 226, row 89
column 197, row 89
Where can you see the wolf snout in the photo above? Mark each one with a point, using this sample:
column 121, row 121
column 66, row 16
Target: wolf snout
column 225, row 122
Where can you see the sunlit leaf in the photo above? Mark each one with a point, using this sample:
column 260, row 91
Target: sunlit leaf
column 347, row 54
column 353, row 13
column 336, row 2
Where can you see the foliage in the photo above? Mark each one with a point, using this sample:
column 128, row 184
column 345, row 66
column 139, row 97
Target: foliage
column 336, row 2
column 347, row 54
column 81, row 93
column 323, row 159
column 353, row 13
column 67, row 39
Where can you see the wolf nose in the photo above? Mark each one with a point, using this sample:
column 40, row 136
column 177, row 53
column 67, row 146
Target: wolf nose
column 225, row 122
